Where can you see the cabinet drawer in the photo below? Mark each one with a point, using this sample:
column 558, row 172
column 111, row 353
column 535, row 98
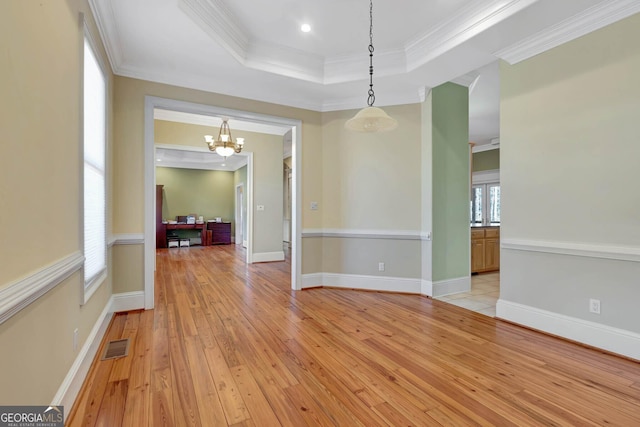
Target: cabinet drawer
column 492, row 232
column 477, row 233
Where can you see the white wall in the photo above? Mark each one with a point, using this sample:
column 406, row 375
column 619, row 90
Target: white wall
column 571, row 205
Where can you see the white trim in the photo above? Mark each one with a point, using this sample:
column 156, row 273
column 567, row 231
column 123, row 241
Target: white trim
column 20, row 293
column 426, row 287
column 127, row 301
column 70, row 387
column 363, row 282
column 592, row 19
column 485, row 147
column 268, row 256
column 111, row 240
column 365, row 234
column 616, row 340
column 128, row 239
column 486, row 177
column 451, row 286
column 590, row 250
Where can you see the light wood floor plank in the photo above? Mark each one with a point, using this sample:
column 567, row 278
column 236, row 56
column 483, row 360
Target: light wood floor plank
column 232, row 345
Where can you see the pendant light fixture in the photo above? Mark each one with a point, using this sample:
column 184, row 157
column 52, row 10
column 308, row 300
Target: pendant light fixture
column 371, row 119
column 224, row 145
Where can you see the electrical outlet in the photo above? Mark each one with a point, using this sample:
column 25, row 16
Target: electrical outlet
column 594, row 306
column 314, row 206
column 75, row 339
column 381, row 266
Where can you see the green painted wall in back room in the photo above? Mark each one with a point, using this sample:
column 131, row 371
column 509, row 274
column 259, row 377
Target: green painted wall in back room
column 450, row 133
column 486, row 160
column 203, row 192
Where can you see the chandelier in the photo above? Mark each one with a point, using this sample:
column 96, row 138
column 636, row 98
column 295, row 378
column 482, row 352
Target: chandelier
column 371, row 119
column 224, row 145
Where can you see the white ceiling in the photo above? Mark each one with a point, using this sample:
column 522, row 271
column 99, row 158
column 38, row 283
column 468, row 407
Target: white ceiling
column 255, row 49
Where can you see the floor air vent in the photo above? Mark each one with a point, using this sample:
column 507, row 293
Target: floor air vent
column 115, row 349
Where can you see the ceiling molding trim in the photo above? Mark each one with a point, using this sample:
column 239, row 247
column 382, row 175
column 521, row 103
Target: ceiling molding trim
column 592, row 19
column 467, row 80
column 468, row 23
column 108, row 28
column 202, row 83
column 219, row 22
column 285, row 61
column 485, row 147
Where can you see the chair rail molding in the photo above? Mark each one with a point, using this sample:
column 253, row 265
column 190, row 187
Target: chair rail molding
column 20, row 293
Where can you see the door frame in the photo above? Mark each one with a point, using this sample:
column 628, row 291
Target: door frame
column 150, row 104
column 240, row 216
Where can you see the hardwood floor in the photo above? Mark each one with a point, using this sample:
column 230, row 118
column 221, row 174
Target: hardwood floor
column 230, row 344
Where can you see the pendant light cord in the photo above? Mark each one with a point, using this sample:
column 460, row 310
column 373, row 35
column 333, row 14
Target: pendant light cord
column 372, row 96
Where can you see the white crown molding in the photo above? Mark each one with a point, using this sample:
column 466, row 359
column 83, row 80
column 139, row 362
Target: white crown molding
column 19, row 294
column 592, row 19
column 472, row 20
column 108, row 29
column 215, row 19
column 619, row 253
column 219, row 23
column 203, row 83
column 485, row 147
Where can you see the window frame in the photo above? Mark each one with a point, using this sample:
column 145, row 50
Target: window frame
column 91, row 285
column 485, row 180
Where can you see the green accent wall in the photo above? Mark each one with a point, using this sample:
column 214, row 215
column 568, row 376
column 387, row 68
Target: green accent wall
column 486, row 160
column 203, row 192
column 450, row 135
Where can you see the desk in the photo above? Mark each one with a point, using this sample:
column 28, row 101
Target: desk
column 201, row 227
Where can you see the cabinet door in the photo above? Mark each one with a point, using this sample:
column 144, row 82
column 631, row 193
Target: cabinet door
column 492, row 254
column 477, row 255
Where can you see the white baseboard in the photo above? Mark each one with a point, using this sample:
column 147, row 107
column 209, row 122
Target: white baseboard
column 127, row 301
column 451, row 286
column 356, row 281
column 268, row 256
column 426, row 287
column 72, row 383
column 615, row 340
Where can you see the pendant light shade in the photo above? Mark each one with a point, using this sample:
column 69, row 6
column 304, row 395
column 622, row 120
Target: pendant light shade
column 371, row 119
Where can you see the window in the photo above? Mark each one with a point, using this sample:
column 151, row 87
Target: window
column 485, row 204
column 95, row 138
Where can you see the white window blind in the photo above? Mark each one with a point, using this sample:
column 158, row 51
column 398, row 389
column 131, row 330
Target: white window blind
column 94, row 168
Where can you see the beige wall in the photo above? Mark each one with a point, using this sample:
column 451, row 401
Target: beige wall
column 372, row 181
column 40, row 183
column 569, row 158
column 129, row 140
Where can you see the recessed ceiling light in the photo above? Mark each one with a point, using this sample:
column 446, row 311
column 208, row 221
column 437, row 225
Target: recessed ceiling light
column 305, row 28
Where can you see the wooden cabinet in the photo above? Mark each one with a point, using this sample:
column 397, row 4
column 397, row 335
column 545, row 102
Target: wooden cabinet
column 220, row 232
column 485, row 249
column 161, row 229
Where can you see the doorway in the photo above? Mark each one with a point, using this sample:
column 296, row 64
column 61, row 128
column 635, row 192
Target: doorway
column 151, row 104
